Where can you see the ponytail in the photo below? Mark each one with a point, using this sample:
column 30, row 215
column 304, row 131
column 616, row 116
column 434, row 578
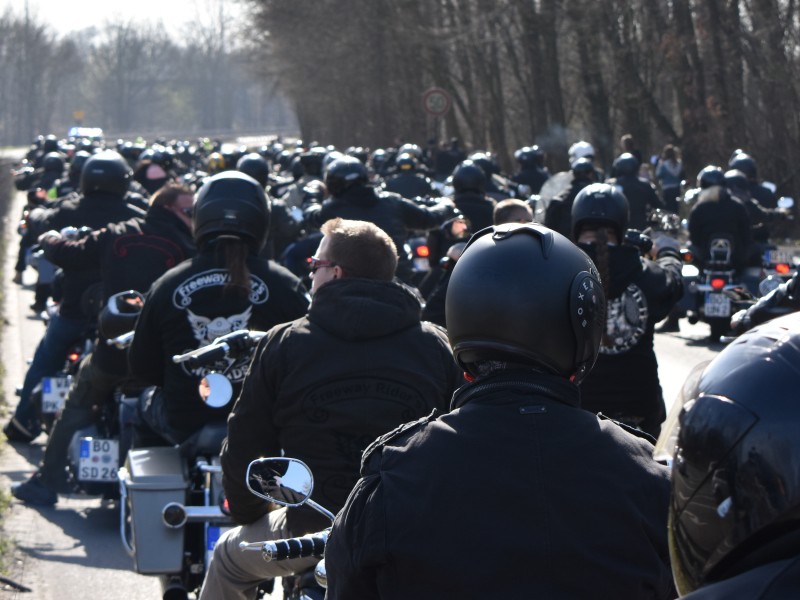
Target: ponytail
column 234, row 252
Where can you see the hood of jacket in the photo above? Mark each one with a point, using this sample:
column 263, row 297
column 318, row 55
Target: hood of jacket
column 355, row 309
column 359, row 195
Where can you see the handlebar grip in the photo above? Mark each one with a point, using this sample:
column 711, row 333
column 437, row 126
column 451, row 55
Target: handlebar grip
column 307, row 545
column 202, row 356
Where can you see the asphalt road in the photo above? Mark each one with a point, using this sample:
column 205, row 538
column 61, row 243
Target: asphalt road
column 73, row 549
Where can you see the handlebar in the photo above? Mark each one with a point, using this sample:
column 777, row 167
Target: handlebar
column 308, row 545
column 121, row 341
column 231, row 343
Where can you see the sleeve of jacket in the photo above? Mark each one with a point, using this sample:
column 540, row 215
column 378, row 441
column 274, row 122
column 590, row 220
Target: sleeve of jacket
column 415, row 216
column 251, row 430
column 354, row 553
column 146, row 352
column 667, row 282
column 76, row 254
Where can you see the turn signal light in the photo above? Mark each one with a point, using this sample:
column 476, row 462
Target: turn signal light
column 717, row 283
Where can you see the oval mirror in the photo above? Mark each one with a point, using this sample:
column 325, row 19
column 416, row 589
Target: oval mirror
column 215, row 390
column 284, row 481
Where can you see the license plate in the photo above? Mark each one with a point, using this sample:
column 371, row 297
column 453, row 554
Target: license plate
column 779, row 256
column 422, row 264
column 54, row 393
column 99, row 460
column 717, row 305
column 213, row 534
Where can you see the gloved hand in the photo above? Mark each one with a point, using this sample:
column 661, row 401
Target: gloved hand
column 664, row 241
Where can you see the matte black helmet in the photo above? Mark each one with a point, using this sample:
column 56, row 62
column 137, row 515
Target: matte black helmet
column 50, row 144
column 253, row 164
column 406, row 162
column 53, row 162
column 77, row 163
column 233, row 204
column 746, row 164
column 709, row 176
column 469, row 177
column 525, row 294
column 106, row 172
column 345, row 172
column 600, row 204
column 626, row 164
column 735, row 475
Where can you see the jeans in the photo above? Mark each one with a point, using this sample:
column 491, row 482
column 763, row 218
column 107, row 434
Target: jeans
column 91, row 388
column 49, row 358
column 236, row 574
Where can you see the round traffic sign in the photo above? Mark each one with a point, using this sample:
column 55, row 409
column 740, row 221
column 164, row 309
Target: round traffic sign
column 436, row 102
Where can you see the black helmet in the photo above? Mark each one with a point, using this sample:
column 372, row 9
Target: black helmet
column 120, row 313
column 529, row 156
column 735, row 477
column 254, row 165
column 106, row 171
column 53, row 162
column 710, row 176
column 486, row 161
column 412, row 149
column 231, row 203
column 77, row 163
column 626, row 164
column 469, row 177
column 50, row 144
column 736, row 181
column 601, row 204
column 525, row 294
column 312, row 159
column 343, row 173
column 582, row 168
column 746, row 164
column 406, row 162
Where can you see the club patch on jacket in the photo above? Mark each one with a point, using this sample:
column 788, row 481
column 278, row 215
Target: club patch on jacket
column 626, row 321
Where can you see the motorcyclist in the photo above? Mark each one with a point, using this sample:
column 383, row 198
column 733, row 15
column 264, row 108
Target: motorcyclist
column 487, row 162
column 104, row 183
column 311, row 160
column 225, row 287
column 708, row 176
column 551, row 479
column 735, row 498
column 762, row 219
column 782, row 300
column 408, row 181
column 641, row 194
column 532, row 171
column 640, row 291
column 717, row 215
column 130, row 255
column 322, row 388
column 353, row 198
column 741, row 161
column 558, row 215
column 583, row 149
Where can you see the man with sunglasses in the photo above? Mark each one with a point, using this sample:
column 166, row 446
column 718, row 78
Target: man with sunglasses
column 321, row 389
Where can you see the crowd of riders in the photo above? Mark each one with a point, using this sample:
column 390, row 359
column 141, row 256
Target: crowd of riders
column 221, row 236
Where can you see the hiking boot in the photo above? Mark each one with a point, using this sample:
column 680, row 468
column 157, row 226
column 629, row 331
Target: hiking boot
column 34, row 492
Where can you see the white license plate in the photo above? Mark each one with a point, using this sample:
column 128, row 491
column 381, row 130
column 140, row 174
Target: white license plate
column 54, row 393
column 212, row 537
column 422, row 264
column 717, row 305
column 99, row 460
column 780, row 256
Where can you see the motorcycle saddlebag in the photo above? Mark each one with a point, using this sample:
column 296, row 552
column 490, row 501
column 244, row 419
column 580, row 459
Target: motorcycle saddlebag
column 152, row 479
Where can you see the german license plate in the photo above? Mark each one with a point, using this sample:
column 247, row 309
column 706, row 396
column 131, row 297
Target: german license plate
column 54, row 393
column 214, row 533
column 421, row 264
column 99, row 460
column 717, row 305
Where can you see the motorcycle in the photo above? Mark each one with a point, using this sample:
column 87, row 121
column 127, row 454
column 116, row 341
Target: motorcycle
column 172, row 506
column 289, row 482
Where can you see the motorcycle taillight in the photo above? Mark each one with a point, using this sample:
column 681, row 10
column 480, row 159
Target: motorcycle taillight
column 782, row 268
column 717, row 283
column 73, row 357
column 423, row 251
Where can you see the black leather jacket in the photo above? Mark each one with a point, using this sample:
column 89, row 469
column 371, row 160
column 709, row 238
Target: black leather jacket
column 558, row 504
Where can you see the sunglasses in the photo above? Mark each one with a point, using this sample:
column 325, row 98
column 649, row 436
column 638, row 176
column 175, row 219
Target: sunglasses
column 315, row 264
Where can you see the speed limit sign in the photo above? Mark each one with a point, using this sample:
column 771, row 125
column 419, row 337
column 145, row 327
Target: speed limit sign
column 436, row 102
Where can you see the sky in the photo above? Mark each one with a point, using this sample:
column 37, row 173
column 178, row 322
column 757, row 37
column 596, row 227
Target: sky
column 67, row 16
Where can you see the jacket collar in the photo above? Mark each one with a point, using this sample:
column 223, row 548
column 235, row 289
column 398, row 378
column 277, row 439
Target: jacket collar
column 519, row 380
